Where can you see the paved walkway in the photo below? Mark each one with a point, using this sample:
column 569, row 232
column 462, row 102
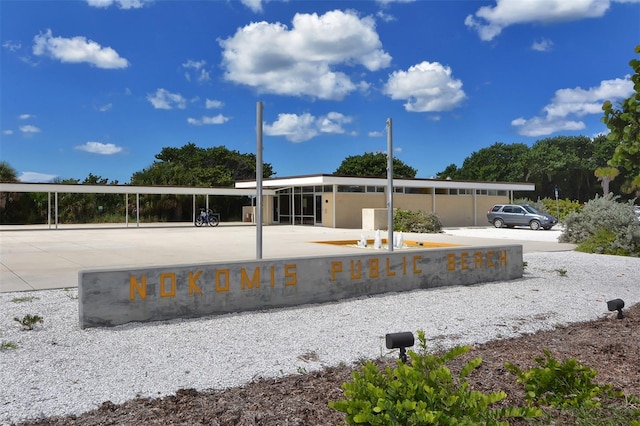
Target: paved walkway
column 35, row 257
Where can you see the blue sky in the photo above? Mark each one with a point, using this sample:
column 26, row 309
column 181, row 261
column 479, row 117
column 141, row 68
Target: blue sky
column 101, row 86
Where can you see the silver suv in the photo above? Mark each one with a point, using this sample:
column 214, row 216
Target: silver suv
column 511, row 215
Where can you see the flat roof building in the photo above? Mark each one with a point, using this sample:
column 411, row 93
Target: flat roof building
column 338, row 201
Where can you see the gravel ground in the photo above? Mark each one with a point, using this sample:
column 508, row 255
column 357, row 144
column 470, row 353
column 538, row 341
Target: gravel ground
column 58, row 369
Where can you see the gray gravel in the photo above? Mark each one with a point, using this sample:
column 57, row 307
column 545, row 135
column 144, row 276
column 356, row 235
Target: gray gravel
column 59, row 369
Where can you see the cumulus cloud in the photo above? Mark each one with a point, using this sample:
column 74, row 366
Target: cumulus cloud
column 218, row 119
column 489, row 21
column 213, row 104
column 196, row 70
column 254, row 5
column 542, row 45
column 105, row 108
column 35, row 177
column 569, row 105
column 303, row 60
column 163, row 99
column 29, row 129
column 122, row 4
column 300, row 128
column 427, row 87
column 77, row 50
column 7, row 132
column 26, row 116
column 99, row 148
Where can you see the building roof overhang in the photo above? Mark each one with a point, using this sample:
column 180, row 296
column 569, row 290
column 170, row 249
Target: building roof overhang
column 375, row 181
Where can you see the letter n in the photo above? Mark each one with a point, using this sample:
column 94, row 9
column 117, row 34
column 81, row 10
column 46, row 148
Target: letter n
column 137, row 287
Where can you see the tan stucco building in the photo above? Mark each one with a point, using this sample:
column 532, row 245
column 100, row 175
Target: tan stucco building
column 338, row 201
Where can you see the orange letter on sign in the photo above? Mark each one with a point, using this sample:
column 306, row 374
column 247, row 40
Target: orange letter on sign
column 193, row 286
column 451, row 262
column 220, row 286
column 290, row 272
column 255, row 280
column 336, row 266
column 172, row 282
column 136, row 287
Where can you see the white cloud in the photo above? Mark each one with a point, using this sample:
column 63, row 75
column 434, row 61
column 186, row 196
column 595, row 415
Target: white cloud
column 163, row 99
column 122, row 4
column 489, row 21
column 77, row 50
column 254, row 5
column 99, row 148
column 7, row 132
column 213, row 104
column 427, row 87
column 25, row 116
column 12, row 46
column 302, row 61
column 29, row 129
column 218, row 119
column 105, row 108
column 568, row 105
column 198, row 69
column 35, row 177
column 300, row 128
column 543, row 45
column 375, row 134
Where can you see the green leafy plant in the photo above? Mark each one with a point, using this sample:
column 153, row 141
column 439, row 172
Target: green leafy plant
column 8, row 345
column 560, row 384
column 29, row 321
column 24, row 299
column 416, row 221
column 561, row 272
column 423, row 391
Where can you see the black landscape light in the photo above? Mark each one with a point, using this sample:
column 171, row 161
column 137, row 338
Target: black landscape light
column 616, row 305
column 400, row 341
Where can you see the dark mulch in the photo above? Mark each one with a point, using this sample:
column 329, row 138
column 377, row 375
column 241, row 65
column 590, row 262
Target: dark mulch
column 609, row 345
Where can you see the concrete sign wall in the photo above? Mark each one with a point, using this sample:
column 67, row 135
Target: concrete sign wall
column 113, row 297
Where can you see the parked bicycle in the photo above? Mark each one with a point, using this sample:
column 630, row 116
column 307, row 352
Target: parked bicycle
column 207, row 217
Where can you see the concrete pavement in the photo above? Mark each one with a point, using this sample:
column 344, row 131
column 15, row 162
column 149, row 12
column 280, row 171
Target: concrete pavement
column 35, row 257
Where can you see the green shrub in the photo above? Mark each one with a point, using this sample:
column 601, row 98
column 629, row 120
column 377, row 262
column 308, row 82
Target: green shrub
column 412, row 221
column 422, row 392
column 29, row 321
column 566, row 384
column 606, row 225
column 548, row 205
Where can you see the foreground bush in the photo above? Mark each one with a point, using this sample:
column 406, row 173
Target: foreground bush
column 604, row 226
column 423, row 392
column 420, row 222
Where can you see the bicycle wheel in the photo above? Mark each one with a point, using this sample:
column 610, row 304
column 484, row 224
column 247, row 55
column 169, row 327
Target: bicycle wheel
column 199, row 221
column 214, row 220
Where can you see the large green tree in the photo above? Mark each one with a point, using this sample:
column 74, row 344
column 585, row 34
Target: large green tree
column 191, row 165
column 498, row 163
column 624, row 129
column 372, row 164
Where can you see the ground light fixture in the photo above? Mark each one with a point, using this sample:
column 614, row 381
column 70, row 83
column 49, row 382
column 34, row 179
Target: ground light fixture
column 400, row 341
column 616, row 305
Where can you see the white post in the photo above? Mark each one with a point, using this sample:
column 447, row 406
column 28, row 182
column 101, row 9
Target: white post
column 390, row 182
column 258, row 214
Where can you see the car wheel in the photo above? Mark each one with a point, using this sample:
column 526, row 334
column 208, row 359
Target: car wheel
column 534, row 224
column 498, row 223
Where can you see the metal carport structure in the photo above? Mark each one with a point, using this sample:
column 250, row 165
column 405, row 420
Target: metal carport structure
column 56, row 188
